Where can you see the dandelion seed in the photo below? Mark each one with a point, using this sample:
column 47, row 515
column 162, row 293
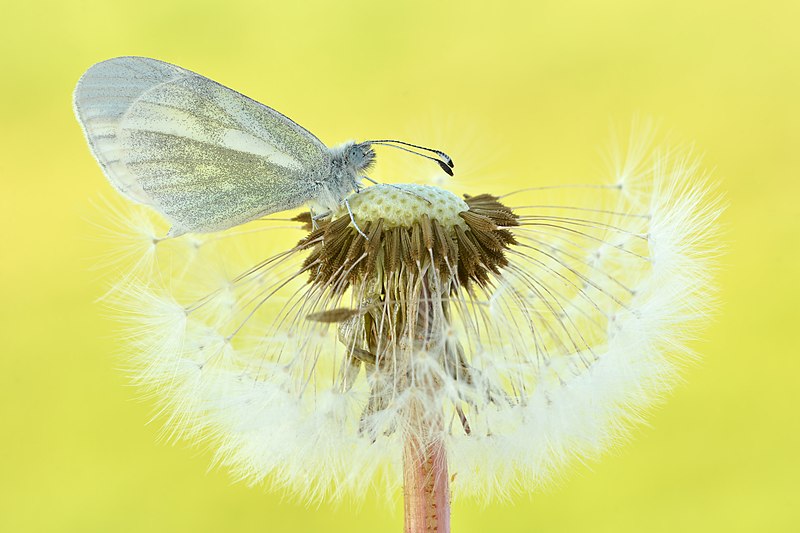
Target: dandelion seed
column 487, row 340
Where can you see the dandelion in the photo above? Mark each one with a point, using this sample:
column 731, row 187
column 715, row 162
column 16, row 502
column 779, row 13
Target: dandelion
column 481, row 342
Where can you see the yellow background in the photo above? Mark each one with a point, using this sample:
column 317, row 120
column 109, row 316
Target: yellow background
column 520, row 93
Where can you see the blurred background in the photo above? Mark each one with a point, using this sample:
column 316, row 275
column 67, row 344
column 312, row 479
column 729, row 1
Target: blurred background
column 521, row 94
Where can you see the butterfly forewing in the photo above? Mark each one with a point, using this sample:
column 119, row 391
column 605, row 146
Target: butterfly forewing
column 205, row 156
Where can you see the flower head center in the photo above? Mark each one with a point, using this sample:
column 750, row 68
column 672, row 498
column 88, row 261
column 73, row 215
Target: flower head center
column 403, row 205
column 412, row 231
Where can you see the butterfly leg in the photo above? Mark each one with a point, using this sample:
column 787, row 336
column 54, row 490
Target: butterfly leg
column 353, row 220
column 412, row 193
column 317, row 217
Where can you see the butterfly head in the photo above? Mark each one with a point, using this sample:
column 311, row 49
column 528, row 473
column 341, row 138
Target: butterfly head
column 359, row 156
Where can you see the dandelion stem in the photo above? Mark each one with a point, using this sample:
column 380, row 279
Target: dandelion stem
column 426, row 487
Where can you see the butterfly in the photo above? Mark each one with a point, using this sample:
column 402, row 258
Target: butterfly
column 208, row 158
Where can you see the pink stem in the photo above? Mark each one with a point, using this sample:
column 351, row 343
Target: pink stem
column 426, row 488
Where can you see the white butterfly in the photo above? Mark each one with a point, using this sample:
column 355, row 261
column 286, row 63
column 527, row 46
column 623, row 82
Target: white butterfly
column 207, row 157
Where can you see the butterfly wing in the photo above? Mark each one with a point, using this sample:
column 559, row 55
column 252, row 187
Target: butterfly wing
column 204, row 156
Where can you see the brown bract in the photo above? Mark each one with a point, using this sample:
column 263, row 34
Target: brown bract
column 464, row 254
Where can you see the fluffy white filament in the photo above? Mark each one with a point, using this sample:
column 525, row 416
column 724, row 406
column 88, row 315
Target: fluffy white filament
column 585, row 329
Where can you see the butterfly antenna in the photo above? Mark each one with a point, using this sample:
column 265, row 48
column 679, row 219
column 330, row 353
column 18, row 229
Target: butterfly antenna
column 447, row 159
column 444, row 160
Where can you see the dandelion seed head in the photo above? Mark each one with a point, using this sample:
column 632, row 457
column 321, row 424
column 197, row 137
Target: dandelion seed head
column 523, row 332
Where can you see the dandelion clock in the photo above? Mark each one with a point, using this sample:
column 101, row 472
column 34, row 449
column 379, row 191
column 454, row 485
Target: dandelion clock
column 399, row 336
